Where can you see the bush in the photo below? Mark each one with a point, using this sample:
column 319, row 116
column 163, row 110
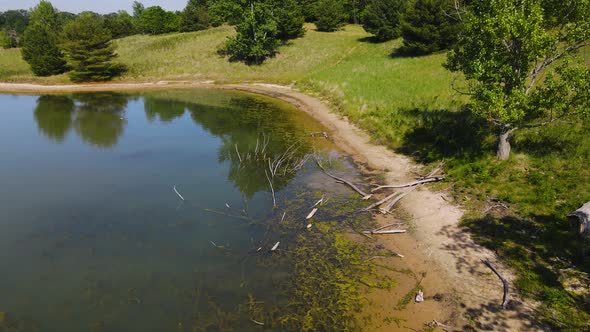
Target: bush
column 383, row 18
column 154, row 21
column 120, row 24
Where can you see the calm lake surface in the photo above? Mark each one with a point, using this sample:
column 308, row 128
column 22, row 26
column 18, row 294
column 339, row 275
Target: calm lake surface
column 93, row 236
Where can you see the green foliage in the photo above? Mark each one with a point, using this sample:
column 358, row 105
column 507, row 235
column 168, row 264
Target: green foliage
column 194, row 17
column 309, row 9
column 154, row 21
column 138, row 9
column 383, row 18
column 289, row 18
column 40, row 45
column 507, row 46
column 9, row 39
column 429, row 27
column 256, row 37
column 226, row 11
column 16, row 20
column 89, row 50
column 330, row 15
column 120, row 24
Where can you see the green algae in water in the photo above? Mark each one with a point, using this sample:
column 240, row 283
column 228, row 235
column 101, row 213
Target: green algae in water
column 93, row 237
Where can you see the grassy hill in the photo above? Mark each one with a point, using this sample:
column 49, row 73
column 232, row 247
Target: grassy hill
column 409, row 104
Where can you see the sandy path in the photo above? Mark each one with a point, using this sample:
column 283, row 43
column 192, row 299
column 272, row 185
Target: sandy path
column 437, row 244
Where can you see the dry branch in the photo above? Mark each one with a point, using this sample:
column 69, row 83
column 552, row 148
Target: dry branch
column 341, row 180
column 393, row 231
column 177, row 193
column 381, row 201
column 387, row 226
column 394, row 201
column 504, row 282
column 410, row 184
column 275, row 246
column 311, row 214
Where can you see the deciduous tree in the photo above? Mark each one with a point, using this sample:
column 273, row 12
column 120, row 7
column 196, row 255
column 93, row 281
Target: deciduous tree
column 520, row 58
column 40, row 45
column 256, row 37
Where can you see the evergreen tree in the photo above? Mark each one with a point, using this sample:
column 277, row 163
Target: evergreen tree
column 330, row 15
column 289, row 18
column 40, row 45
column 383, row 18
column 309, row 9
column 428, row 27
column 256, row 37
column 89, row 50
column 195, row 17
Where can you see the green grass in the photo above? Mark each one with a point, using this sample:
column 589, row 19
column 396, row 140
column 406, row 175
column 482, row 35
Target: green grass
column 408, row 104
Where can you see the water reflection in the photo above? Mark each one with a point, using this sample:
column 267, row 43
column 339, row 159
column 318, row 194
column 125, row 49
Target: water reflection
column 53, row 115
column 163, row 109
column 252, row 131
column 96, row 118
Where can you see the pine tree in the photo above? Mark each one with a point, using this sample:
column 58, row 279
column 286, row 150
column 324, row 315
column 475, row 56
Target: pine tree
column 40, row 42
column 194, row 17
column 428, row 27
column 330, row 15
column 383, row 18
column 89, row 50
column 289, row 18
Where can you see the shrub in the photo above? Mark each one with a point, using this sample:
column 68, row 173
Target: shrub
column 330, row 15
column 383, row 18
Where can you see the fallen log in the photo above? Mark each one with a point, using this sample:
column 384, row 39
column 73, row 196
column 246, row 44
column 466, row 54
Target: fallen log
column 580, row 220
column 504, row 282
column 410, row 184
column 341, row 180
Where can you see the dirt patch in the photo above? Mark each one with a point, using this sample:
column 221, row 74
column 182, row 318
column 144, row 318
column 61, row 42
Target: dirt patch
column 460, row 291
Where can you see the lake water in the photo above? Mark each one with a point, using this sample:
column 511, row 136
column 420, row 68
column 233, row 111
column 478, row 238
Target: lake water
column 93, row 236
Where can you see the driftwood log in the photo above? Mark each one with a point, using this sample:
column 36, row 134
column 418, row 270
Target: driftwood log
column 580, row 220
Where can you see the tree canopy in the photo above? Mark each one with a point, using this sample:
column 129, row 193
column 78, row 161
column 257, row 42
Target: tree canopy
column 40, row 45
column 195, row 16
column 520, row 58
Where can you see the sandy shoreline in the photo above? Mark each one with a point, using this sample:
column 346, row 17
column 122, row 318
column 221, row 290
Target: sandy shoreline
column 437, row 245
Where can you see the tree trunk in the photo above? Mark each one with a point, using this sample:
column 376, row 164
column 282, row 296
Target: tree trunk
column 503, row 151
column 580, row 220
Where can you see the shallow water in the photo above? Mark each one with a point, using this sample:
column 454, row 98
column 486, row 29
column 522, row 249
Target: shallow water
column 93, row 236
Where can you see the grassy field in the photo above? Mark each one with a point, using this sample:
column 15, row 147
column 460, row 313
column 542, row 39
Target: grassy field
column 408, row 104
